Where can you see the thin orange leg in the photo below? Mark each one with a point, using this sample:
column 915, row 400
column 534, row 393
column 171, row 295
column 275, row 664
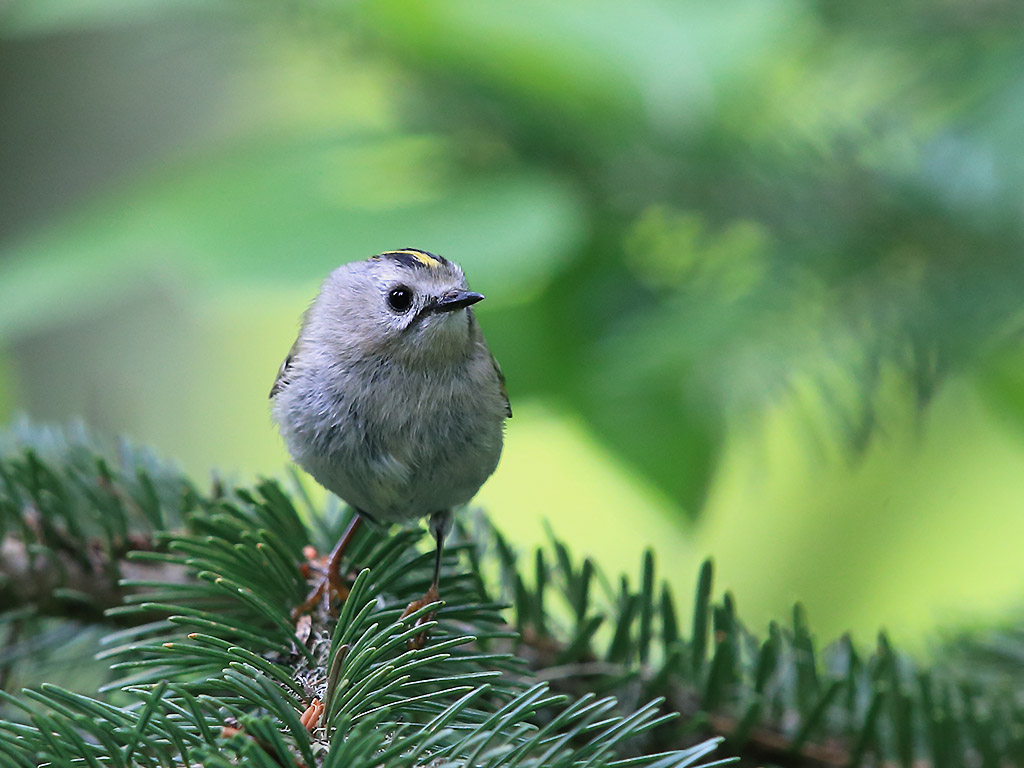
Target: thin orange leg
column 331, row 576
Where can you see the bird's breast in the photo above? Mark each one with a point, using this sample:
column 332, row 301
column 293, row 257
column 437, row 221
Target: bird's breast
column 401, row 444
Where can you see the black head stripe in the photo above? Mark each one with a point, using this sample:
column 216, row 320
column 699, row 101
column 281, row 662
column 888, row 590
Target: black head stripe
column 415, row 258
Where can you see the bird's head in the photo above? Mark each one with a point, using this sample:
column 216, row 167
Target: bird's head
column 406, row 304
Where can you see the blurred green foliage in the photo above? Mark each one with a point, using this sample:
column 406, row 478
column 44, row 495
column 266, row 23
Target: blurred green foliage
column 688, row 217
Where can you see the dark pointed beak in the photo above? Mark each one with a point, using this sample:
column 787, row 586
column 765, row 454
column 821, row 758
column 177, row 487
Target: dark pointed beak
column 456, row 300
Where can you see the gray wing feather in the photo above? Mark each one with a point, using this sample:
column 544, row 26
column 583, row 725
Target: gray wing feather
column 283, row 372
column 503, row 387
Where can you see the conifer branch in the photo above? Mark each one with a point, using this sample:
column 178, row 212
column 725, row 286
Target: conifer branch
column 77, row 582
column 220, row 674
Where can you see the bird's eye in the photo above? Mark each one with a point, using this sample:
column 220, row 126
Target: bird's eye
column 400, row 298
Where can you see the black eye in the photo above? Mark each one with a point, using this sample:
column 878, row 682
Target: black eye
column 400, row 298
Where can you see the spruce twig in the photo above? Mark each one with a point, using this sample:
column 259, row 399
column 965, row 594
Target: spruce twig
column 241, row 682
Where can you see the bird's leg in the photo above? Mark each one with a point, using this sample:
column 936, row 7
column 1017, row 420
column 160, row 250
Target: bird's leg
column 331, row 578
column 440, row 524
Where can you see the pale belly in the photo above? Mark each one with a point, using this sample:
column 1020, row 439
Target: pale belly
column 398, row 470
column 400, row 444
column 403, row 482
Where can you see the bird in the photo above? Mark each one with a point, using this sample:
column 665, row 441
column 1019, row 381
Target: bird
column 391, row 399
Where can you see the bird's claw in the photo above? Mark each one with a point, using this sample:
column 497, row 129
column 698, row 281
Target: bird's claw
column 419, row 640
column 329, row 581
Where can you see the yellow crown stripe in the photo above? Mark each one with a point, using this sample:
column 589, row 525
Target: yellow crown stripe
column 423, row 258
column 427, row 260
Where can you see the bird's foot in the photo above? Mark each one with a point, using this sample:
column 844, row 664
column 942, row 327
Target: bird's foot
column 418, row 641
column 329, row 582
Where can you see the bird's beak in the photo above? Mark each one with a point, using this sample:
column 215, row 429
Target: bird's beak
column 453, row 300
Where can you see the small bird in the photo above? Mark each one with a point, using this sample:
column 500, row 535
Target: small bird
column 390, row 397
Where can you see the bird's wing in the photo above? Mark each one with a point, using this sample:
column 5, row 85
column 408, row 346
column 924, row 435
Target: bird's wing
column 283, row 372
column 502, row 387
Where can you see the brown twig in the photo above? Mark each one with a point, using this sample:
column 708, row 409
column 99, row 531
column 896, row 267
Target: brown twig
column 763, row 745
column 31, row 574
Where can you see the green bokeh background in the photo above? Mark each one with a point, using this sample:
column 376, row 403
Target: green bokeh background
column 754, row 269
